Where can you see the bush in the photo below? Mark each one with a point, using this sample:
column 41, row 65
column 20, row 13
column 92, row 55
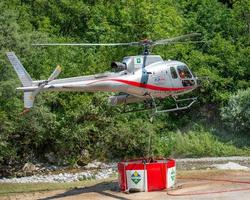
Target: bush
column 203, row 143
column 236, row 115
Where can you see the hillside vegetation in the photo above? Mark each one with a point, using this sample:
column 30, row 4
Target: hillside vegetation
column 69, row 128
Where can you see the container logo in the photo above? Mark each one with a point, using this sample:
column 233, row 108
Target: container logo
column 138, row 60
column 173, row 175
column 136, row 177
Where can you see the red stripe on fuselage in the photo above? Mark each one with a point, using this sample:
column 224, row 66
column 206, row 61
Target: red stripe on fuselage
column 142, row 85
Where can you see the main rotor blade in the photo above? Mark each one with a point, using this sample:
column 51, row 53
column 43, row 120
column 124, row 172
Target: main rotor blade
column 145, row 43
column 87, row 44
column 176, row 39
column 186, row 42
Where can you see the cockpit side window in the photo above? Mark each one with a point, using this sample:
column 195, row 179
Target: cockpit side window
column 184, row 72
column 173, row 72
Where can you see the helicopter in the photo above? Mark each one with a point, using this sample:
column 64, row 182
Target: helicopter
column 140, row 78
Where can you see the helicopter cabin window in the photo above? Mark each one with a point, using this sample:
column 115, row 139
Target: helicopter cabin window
column 185, row 76
column 173, row 72
column 184, row 72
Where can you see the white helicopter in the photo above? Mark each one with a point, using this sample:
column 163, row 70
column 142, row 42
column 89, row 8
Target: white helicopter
column 140, row 78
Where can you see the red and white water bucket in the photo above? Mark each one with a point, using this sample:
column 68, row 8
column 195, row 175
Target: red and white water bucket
column 139, row 175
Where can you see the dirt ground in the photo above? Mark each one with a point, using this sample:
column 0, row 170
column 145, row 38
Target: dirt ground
column 190, row 185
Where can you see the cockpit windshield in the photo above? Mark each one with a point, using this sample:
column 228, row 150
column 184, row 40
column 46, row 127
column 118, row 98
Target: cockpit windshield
column 184, row 72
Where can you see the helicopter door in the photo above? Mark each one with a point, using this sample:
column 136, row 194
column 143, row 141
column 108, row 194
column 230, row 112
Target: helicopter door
column 175, row 80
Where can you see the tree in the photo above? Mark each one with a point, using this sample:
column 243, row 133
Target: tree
column 236, row 115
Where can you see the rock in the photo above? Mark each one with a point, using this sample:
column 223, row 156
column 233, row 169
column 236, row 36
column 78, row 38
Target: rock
column 94, row 165
column 76, row 166
column 19, row 174
column 85, row 153
column 81, row 162
column 42, row 169
column 90, row 166
column 84, row 158
column 29, row 167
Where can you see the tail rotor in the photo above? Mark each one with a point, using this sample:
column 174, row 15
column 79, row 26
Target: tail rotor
column 30, row 88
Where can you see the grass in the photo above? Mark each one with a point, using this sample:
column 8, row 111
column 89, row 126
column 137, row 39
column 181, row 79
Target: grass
column 13, row 188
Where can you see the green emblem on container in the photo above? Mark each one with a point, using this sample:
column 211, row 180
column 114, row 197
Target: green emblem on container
column 135, row 177
column 173, row 175
column 138, row 60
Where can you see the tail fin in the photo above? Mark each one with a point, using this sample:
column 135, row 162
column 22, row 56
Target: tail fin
column 24, row 78
column 18, row 67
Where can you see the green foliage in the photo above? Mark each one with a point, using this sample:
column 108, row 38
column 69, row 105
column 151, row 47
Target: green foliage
column 236, row 114
column 201, row 144
column 71, row 124
column 5, row 128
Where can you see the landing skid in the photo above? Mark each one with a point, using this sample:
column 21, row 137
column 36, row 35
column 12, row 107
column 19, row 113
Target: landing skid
column 151, row 105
